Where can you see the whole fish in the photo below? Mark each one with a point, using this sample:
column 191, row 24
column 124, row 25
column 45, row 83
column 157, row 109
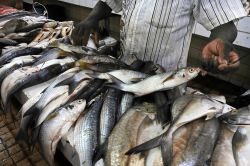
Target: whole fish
column 25, row 37
column 57, row 125
column 108, row 114
column 68, row 48
column 85, row 133
column 161, row 82
column 126, row 76
column 202, row 105
column 15, row 64
column 88, row 59
column 241, row 146
column 18, row 52
column 123, row 135
column 200, row 148
column 223, row 152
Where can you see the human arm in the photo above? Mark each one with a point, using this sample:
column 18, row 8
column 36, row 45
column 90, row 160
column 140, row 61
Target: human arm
column 81, row 33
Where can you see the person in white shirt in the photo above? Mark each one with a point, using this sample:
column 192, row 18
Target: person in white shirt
column 161, row 30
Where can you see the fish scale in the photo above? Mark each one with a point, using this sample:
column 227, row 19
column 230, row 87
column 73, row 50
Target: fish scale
column 108, row 114
column 85, row 133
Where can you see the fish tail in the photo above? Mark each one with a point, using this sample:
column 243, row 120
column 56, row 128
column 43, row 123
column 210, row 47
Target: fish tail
column 117, row 84
column 100, row 151
column 31, row 110
column 167, row 149
column 145, row 146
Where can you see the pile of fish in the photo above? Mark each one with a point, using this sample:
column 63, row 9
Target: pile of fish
column 107, row 109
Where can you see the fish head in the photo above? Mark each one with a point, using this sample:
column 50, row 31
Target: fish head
column 238, row 117
column 81, row 103
column 188, row 73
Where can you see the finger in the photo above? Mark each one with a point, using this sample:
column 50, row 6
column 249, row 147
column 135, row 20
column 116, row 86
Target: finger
column 233, row 57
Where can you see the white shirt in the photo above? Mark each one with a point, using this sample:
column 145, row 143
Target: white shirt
column 160, row 30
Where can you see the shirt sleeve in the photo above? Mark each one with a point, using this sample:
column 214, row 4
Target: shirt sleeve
column 212, row 13
column 115, row 5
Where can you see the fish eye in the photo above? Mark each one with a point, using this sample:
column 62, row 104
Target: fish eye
column 191, row 70
column 79, row 101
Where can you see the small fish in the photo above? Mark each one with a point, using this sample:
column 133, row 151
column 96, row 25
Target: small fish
column 161, row 82
column 126, row 76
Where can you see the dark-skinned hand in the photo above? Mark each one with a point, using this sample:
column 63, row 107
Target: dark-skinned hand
column 220, row 57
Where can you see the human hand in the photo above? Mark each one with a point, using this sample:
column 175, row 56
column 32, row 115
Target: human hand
column 220, row 57
column 80, row 34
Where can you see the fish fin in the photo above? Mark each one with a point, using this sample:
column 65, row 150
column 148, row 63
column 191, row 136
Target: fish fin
column 168, row 78
column 210, row 116
column 167, row 149
column 145, row 146
column 115, row 80
column 100, row 151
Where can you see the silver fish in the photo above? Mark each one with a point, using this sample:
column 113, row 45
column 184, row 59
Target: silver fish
column 58, row 125
column 161, row 82
column 108, row 114
column 126, row 103
column 126, row 76
column 85, row 133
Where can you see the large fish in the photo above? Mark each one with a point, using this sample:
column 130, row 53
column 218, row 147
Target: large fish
column 123, row 135
column 160, row 82
column 108, row 114
column 195, row 109
column 85, row 133
column 18, row 52
column 57, row 125
column 201, row 144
